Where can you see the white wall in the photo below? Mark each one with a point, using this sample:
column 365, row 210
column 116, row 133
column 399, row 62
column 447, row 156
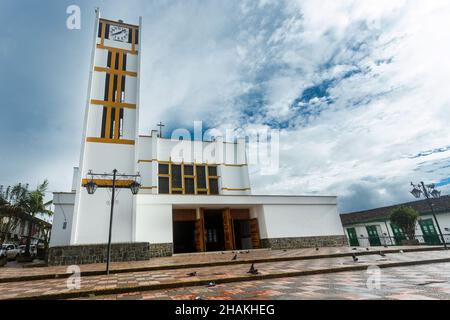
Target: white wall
column 301, row 220
column 63, row 212
column 153, row 222
column 94, row 216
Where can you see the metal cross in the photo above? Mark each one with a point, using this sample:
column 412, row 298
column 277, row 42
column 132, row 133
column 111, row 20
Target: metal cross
column 160, row 125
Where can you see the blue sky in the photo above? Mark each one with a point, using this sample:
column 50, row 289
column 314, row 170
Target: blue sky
column 358, row 88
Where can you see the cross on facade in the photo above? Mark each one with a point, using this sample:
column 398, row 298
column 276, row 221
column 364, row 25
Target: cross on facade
column 160, row 125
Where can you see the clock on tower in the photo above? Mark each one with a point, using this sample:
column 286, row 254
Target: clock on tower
column 118, row 33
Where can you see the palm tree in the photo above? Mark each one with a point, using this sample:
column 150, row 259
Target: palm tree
column 12, row 201
column 34, row 204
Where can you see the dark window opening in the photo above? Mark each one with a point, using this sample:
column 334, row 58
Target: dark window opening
column 121, row 123
column 103, row 133
column 214, row 186
column 189, row 186
column 212, row 171
column 163, row 168
column 201, row 177
column 188, row 170
column 114, row 89
column 124, row 63
column 112, row 122
column 176, row 176
column 163, row 185
column 100, row 26
column 122, row 89
column 107, row 31
column 130, row 35
column 109, row 59
column 136, row 37
column 107, row 87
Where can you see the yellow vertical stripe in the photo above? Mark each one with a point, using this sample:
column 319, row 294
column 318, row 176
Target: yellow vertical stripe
column 103, row 34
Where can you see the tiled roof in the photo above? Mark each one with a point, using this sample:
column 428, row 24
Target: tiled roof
column 441, row 204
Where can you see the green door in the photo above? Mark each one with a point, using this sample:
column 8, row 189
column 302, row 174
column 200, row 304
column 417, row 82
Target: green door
column 374, row 239
column 399, row 236
column 430, row 235
column 352, row 237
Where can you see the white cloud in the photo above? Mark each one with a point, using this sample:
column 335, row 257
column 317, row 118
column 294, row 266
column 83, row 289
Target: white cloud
column 382, row 67
column 382, row 64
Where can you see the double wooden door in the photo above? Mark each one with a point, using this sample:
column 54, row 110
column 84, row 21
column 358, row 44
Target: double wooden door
column 229, row 239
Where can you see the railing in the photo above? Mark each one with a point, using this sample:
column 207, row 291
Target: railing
column 398, row 241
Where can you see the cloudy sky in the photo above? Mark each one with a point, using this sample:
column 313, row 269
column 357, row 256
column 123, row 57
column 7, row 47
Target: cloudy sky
column 359, row 89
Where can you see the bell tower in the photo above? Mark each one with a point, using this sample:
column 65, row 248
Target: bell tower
column 110, row 128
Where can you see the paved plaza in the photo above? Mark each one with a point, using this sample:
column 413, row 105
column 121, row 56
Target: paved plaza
column 424, row 282
column 189, row 280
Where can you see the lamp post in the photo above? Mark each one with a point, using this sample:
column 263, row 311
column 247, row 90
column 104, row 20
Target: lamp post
column 429, row 191
column 92, row 186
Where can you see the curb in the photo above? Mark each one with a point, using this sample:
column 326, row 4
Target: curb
column 212, row 264
column 203, row 282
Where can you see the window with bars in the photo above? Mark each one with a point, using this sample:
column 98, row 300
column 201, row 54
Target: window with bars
column 176, row 178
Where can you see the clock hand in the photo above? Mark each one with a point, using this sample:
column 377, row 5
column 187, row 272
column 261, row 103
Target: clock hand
column 121, row 31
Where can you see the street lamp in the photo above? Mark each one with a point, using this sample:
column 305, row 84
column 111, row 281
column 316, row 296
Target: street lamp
column 92, row 186
column 429, row 191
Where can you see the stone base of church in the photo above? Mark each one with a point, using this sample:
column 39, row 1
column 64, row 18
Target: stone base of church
column 305, row 242
column 96, row 253
column 161, row 249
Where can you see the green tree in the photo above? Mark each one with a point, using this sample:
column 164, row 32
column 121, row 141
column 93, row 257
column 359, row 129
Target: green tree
column 405, row 218
column 12, row 203
column 34, row 204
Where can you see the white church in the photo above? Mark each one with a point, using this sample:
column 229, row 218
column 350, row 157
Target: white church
column 196, row 200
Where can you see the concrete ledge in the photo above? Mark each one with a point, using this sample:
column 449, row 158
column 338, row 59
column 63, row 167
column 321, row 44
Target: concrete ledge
column 305, row 242
column 96, row 253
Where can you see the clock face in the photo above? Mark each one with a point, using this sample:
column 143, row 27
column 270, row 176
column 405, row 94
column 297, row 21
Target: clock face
column 118, row 33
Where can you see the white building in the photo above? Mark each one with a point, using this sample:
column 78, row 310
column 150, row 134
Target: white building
column 373, row 228
column 195, row 195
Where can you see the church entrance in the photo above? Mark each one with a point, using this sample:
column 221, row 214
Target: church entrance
column 242, row 234
column 202, row 230
column 214, row 233
column 184, row 236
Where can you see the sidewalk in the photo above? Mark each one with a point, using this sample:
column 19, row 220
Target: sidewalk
column 175, row 278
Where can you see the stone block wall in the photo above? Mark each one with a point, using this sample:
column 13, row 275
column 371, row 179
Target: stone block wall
column 305, row 242
column 96, row 253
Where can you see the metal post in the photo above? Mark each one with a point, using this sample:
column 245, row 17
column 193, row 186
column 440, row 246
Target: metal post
column 108, row 254
column 434, row 215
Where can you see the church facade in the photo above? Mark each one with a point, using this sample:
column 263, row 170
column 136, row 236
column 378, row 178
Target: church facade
column 195, row 196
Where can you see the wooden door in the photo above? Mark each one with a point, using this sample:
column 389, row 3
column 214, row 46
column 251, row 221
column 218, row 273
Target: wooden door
column 353, row 237
column 200, row 233
column 374, row 238
column 399, row 236
column 228, row 230
column 429, row 232
column 254, row 229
